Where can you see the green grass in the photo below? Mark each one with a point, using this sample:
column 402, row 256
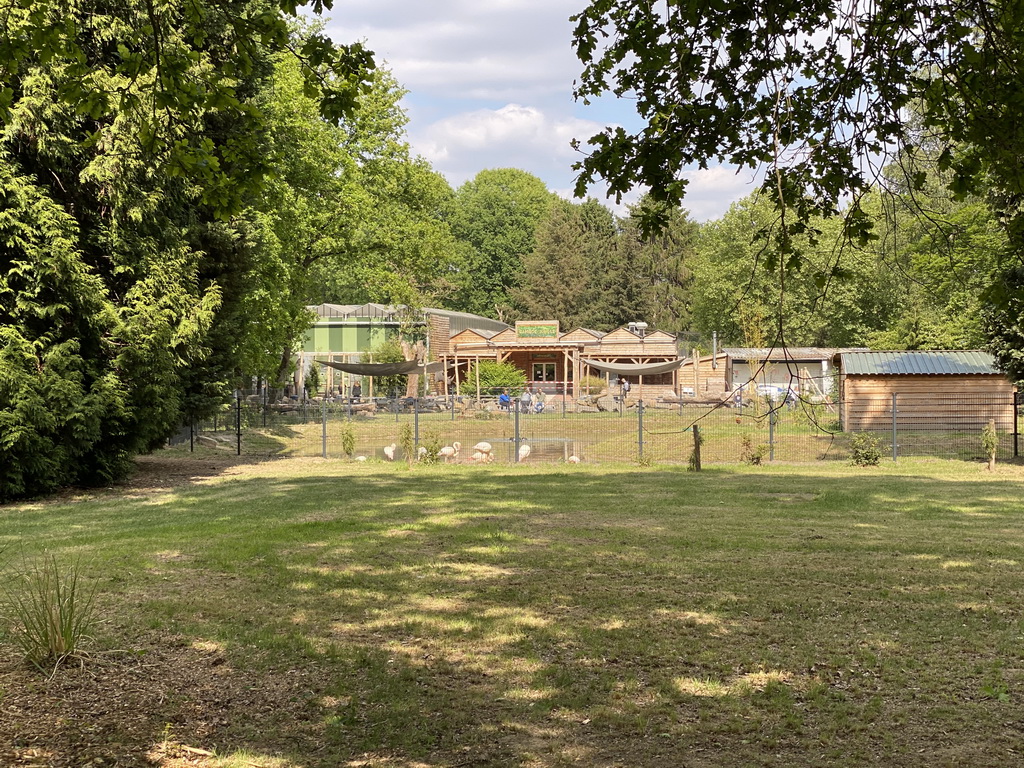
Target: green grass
column 553, row 615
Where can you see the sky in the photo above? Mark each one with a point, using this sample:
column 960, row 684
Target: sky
column 490, row 86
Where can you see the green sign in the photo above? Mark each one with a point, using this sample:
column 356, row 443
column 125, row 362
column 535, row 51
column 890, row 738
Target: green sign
column 537, row 330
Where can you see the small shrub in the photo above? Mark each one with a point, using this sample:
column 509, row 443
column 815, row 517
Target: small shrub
column 432, row 443
column 865, row 450
column 750, row 453
column 407, row 440
column 348, row 439
column 494, row 377
column 990, row 442
column 49, row 612
column 592, row 385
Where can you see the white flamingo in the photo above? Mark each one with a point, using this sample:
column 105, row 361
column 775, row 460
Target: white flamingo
column 524, row 451
column 421, row 453
column 389, row 451
column 573, row 459
column 483, row 447
column 450, row 451
column 360, row 458
column 481, row 457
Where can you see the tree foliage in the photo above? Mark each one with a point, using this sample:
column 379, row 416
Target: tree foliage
column 494, row 216
column 809, row 91
column 131, row 136
column 821, row 97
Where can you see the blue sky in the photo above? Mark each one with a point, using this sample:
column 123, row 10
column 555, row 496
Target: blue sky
column 490, row 86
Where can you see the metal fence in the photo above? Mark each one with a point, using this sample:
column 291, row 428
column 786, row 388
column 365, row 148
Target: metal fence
column 615, row 430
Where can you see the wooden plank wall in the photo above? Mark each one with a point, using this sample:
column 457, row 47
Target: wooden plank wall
column 927, row 403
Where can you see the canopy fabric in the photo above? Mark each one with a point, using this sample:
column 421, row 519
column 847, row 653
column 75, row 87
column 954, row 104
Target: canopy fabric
column 385, row 369
column 634, row 369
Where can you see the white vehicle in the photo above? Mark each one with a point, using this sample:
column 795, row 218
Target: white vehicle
column 777, row 393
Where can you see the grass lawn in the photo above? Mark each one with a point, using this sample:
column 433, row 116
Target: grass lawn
column 301, row 612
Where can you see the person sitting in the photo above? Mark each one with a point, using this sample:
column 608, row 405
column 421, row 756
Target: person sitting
column 504, row 401
column 539, row 401
column 525, row 400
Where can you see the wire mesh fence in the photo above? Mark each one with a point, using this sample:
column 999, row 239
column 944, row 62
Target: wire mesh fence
column 562, row 430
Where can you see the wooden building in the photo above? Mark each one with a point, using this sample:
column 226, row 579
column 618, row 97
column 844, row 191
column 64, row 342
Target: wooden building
column 958, row 390
column 553, row 361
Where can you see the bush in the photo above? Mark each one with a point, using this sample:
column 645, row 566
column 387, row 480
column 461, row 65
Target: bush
column 592, row 385
column 48, row 612
column 865, row 450
column 389, row 351
column 348, row 439
column 750, row 453
column 990, row 442
column 493, row 378
column 432, row 443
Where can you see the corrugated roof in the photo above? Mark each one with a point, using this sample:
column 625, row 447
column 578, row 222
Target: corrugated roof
column 784, row 353
column 919, row 363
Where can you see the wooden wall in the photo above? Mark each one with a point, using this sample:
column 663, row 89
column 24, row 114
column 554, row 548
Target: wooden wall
column 927, row 403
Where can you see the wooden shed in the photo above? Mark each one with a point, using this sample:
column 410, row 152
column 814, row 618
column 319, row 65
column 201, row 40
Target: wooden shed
column 958, row 390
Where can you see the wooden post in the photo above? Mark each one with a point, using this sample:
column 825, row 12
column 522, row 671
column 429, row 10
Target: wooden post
column 478, row 378
column 696, row 448
column 696, row 373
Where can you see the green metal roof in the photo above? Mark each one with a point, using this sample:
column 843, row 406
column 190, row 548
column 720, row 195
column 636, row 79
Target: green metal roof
column 919, row 363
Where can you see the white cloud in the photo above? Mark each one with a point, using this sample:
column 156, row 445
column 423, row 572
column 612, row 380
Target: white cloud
column 711, row 191
column 491, row 87
column 513, row 136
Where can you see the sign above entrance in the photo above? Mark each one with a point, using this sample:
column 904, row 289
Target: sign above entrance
column 537, row 329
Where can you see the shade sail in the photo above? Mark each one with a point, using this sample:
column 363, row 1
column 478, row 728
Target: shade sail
column 384, row 369
column 634, row 369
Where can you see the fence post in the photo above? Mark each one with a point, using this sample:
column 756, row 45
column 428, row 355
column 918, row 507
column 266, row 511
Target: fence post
column 895, row 449
column 416, row 422
column 516, row 438
column 264, row 407
column 696, row 448
column 323, row 431
column 238, row 419
column 192, row 434
column 640, row 428
column 1016, row 418
column 771, row 433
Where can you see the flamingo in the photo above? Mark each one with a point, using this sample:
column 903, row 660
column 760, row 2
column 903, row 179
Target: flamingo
column 360, row 458
column 481, row 457
column 573, row 459
column 524, row 451
column 389, row 451
column 450, row 451
column 422, row 453
column 483, row 447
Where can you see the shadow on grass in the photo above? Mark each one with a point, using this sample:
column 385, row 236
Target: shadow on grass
column 494, row 616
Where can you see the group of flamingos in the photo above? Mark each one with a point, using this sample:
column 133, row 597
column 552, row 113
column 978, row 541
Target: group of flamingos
column 482, row 453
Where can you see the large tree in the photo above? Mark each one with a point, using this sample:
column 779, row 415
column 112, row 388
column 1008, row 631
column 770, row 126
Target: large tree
column 817, row 95
column 130, row 139
column 495, row 216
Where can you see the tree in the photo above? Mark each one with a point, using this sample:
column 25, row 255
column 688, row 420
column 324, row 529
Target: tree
column 665, row 264
column 130, row 138
column 348, row 214
column 811, row 91
column 571, row 241
column 494, row 216
column 755, row 307
column 819, row 96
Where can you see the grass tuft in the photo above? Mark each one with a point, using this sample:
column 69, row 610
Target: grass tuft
column 48, row 612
